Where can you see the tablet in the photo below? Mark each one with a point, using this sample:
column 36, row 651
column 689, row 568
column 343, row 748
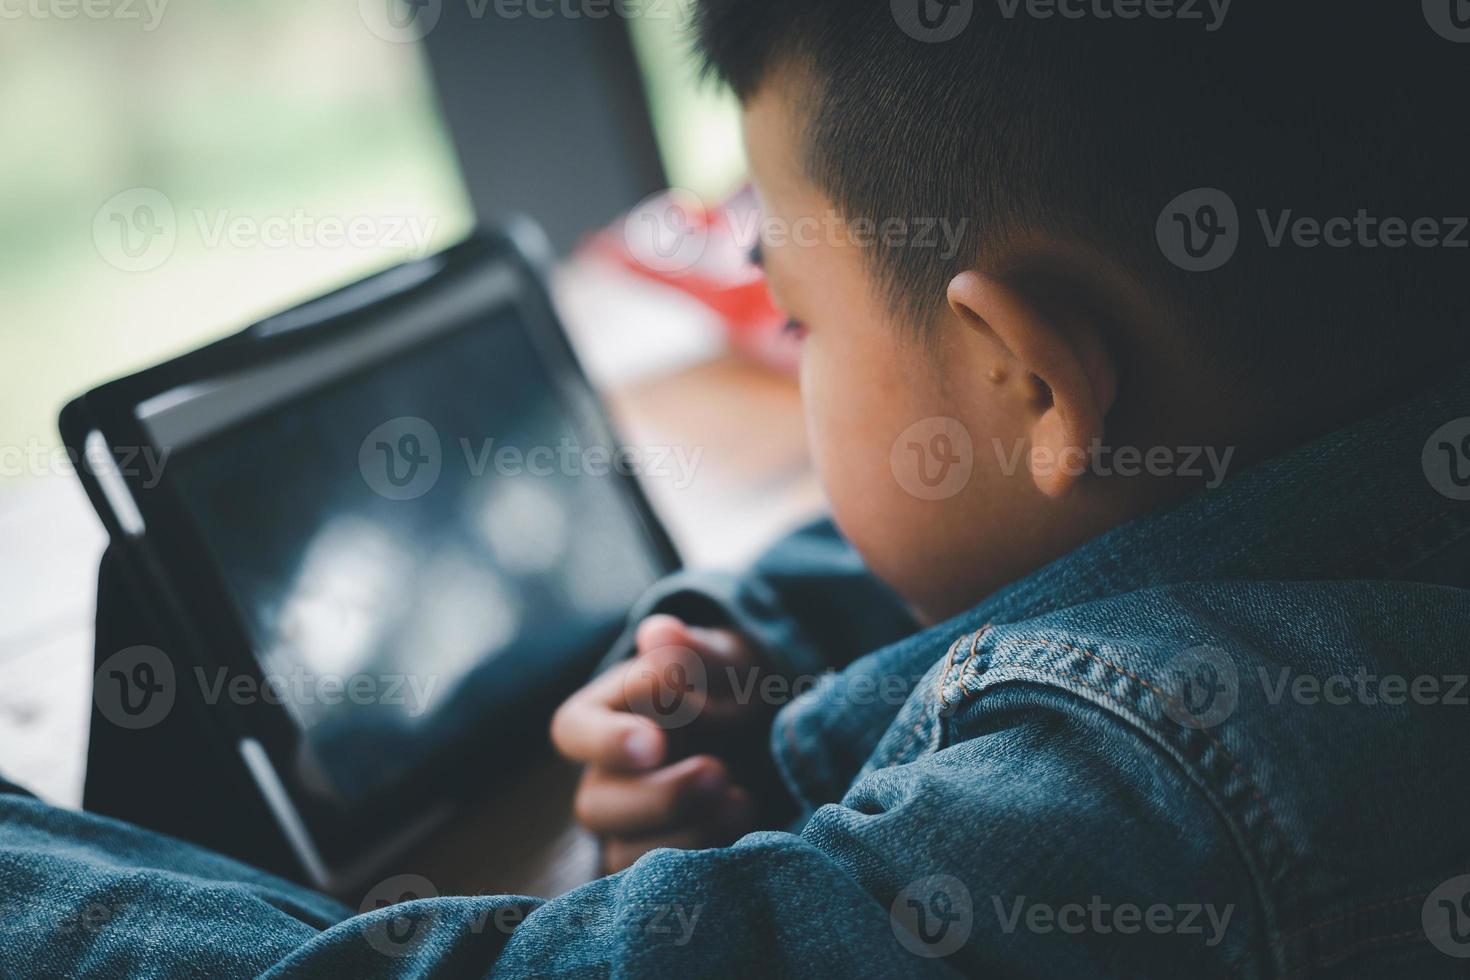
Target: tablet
column 385, row 532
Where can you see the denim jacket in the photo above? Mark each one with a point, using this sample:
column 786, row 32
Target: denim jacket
column 1228, row 739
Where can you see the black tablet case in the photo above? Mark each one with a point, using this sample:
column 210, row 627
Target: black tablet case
column 183, row 776
column 179, row 776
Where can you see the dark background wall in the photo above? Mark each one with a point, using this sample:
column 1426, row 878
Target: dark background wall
column 548, row 116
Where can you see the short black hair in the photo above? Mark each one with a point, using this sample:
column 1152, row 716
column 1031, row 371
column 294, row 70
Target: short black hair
column 1087, row 127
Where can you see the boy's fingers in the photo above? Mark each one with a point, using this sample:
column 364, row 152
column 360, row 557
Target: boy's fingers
column 667, row 685
column 617, row 720
column 718, row 647
column 728, row 647
column 618, row 804
column 663, row 630
column 678, row 686
column 586, row 729
column 601, row 725
column 732, row 820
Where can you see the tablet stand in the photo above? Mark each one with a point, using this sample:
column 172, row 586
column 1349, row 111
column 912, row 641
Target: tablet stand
column 178, row 776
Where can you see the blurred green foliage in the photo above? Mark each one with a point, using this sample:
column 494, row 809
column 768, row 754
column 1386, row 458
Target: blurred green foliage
column 247, row 112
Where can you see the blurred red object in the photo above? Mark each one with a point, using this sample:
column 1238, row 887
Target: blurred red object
column 677, row 240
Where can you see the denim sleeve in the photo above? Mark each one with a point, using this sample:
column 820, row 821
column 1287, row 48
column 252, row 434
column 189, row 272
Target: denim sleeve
column 87, row 896
column 809, row 603
column 1026, row 851
column 1048, row 845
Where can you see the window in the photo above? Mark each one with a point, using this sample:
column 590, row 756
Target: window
column 697, row 123
column 169, row 177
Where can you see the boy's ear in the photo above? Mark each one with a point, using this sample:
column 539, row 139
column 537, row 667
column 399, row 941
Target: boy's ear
column 1071, row 378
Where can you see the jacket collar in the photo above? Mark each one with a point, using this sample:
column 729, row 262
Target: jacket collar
column 1376, row 500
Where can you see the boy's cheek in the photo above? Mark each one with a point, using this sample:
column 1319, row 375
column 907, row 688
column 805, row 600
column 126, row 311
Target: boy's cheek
column 906, row 452
column 901, row 536
column 926, row 551
column 923, row 500
column 849, row 451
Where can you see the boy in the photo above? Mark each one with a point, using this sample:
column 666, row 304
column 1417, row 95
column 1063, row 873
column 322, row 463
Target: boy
column 1148, row 627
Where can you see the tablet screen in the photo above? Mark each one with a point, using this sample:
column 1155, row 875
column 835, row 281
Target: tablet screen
column 414, row 545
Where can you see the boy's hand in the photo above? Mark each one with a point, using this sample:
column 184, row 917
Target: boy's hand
column 674, row 758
